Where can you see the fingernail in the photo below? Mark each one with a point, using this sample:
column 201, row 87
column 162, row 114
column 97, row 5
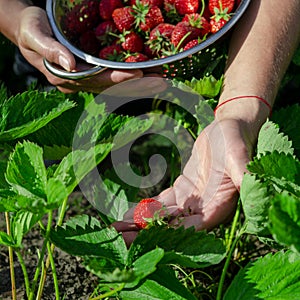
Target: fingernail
column 64, row 63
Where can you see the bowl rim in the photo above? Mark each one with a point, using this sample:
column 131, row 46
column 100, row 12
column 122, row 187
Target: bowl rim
column 51, row 8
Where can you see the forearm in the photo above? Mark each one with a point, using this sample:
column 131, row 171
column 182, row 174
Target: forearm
column 10, row 11
column 260, row 51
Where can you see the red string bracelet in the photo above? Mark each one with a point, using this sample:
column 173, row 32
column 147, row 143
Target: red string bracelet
column 243, row 97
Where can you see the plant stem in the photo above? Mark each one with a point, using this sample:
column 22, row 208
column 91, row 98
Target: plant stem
column 110, row 293
column 41, row 258
column 50, row 256
column 24, row 270
column 234, row 226
column 230, row 248
column 11, row 260
column 50, row 260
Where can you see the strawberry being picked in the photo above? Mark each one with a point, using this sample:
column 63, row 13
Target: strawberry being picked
column 147, row 211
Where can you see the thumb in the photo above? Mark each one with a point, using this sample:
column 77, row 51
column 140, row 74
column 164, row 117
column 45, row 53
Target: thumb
column 237, row 167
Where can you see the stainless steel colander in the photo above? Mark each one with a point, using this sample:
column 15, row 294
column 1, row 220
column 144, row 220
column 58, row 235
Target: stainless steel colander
column 174, row 65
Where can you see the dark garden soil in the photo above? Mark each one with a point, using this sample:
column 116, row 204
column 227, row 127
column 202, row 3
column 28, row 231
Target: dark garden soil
column 74, row 281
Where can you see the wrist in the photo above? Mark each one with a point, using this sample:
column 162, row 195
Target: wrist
column 12, row 10
column 250, row 109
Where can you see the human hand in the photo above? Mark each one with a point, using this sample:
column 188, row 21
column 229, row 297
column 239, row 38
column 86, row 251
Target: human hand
column 205, row 195
column 35, row 41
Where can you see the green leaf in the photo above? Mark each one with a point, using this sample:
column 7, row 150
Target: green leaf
column 56, row 152
column 160, row 285
column 271, row 139
column 59, row 133
column 77, row 164
column 208, row 86
column 26, row 171
column 6, row 240
column 131, row 275
column 256, row 198
column 56, row 192
column 276, row 165
column 183, row 246
column 84, row 236
column 288, row 119
column 273, row 277
column 23, row 113
column 284, row 217
column 145, row 265
column 21, row 224
column 122, row 129
column 112, row 196
column 116, row 276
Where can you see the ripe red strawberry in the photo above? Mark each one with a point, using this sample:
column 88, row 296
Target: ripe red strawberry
column 137, row 57
column 191, row 44
column 147, row 17
column 106, row 8
column 218, row 21
column 196, row 20
column 112, row 52
column 162, row 30
column 146, row 209
column 89, row 43
column 82, row 17
column 123, row 18
column 132, row 42
column 217, row 24
column 221, row 5
column 160, row 38
column 186, row 6
column 183, row 33
column 103, row 32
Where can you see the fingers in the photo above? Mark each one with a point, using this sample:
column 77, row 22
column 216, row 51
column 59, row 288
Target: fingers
column 36, row 35
column 125, row 226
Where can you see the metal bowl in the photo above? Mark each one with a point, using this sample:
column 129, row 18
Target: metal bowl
column 55, row 12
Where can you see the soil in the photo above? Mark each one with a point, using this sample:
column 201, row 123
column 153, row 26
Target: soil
column 74, row 281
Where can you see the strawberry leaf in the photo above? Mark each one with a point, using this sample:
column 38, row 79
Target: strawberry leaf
column 256, row 197
column 115, row 194
column 23, row 113
column 270, row 139
column 26, row 172
column 280, row 168
column 21, row 224
column 274, row 277
column 84, row 236
column 183, row 246
column 79, row 163
column 284, row 217
column 289, row 123
column 162, row 284
column 208, row 86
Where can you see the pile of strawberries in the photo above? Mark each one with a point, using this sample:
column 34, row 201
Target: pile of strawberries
column 139, row 30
